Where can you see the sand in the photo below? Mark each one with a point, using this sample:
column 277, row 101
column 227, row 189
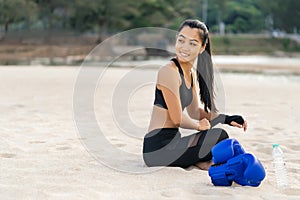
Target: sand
column 46, row 153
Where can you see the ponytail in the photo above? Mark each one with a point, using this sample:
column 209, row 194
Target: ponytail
column 205, row 76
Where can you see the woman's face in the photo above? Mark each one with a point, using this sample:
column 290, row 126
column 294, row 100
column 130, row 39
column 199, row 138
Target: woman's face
column 188, row 44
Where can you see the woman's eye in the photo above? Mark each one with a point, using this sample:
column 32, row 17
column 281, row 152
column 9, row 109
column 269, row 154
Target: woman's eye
column 193, row 44
column 181, row 40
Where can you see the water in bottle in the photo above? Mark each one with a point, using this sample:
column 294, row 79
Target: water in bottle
column 279, row 167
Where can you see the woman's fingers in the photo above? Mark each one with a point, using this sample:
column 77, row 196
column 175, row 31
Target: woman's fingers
column 245, row 125
column 236, row 124
column 204, row 124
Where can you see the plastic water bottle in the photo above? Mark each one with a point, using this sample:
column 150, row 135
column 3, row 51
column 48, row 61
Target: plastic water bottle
column 279, row 167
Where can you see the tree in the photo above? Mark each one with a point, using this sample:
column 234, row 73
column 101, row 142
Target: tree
column 49, row 10
column 15, row 10
column 104, row 16
column 282, row 14
column 109, row 16
column 286, row 15
column 243, row 16
column 163, row 13
column 216, row 14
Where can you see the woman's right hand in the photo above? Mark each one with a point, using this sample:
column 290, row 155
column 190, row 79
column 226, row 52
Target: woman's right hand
column 203, row 125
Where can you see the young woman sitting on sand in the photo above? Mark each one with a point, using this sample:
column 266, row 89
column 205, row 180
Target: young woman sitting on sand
column 176, row 91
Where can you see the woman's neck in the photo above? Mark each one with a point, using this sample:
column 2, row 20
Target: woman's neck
column 186, row 66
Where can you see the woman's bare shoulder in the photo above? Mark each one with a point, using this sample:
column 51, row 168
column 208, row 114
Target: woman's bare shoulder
column 170, row 67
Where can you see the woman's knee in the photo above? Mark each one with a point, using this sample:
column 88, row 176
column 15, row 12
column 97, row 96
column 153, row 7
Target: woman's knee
column 222, row 134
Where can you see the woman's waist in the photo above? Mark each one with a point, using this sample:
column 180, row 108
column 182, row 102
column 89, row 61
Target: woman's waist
column 160, row 119
column 163, row 132
column 161, row 136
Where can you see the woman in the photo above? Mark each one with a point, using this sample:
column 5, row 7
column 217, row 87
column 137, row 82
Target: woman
column 176, row 91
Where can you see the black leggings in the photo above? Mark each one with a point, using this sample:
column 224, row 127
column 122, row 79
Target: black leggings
column 166, row 147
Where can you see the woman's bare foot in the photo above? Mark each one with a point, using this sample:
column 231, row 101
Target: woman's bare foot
column 204, row 165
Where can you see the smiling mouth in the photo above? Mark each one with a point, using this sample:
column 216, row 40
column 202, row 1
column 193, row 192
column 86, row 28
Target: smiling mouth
column 184, row 54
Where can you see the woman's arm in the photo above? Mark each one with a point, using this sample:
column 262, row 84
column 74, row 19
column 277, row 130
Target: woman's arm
column 177, row 116
column 187, row 123
column 197, row 113
column 169, row 82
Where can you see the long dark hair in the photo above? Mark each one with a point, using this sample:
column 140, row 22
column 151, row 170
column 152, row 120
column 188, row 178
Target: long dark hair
column 205, row 72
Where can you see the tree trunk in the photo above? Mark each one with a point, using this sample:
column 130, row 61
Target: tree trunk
column 5, row 25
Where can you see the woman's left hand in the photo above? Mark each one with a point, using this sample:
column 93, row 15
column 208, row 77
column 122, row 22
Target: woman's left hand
column 236, row 121
column 232, row 120
column 244, row 125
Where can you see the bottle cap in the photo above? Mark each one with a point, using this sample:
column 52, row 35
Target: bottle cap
column 275, row 145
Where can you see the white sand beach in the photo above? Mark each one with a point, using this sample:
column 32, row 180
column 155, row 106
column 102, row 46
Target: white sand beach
column 43, row 154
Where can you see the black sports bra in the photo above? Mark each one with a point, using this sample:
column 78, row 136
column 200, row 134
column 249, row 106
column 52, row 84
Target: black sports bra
column 186, row 95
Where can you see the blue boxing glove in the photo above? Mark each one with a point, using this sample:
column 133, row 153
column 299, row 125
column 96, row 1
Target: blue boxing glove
column 225, row 150
column 252, row 170
column 222, row 152
column 233, row 164
column 220, row 175
column 244, row 169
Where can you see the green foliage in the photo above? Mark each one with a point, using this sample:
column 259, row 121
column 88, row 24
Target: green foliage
column 109, row 16
column 15, row 11
column 53, row 12
column 249, row 44
column 286, row 43
column 243, row 16
column 285, row 13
